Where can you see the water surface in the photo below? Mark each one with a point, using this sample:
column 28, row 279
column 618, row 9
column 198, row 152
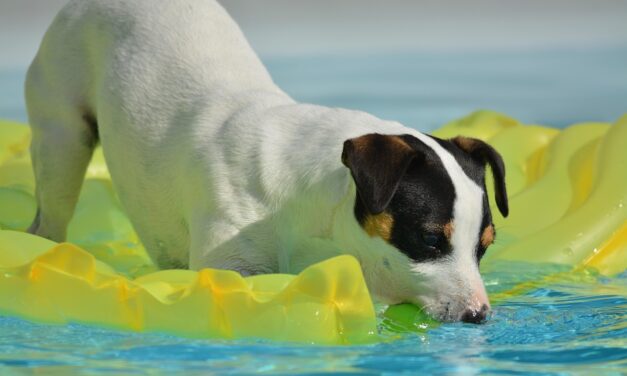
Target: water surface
column 569, row 327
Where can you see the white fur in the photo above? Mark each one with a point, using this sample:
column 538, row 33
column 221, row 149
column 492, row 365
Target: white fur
column 461, row 270
column 214, row 164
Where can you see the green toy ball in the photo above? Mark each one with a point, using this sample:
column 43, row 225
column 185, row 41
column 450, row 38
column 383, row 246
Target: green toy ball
column 403, row 318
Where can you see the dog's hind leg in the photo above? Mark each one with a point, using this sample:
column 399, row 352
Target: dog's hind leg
column 63, row 140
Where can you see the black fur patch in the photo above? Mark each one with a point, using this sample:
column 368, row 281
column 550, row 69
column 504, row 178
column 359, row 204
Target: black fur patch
column 473, row 162
column 422, row 204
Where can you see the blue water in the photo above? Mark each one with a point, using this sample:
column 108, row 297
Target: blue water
column 568, row 326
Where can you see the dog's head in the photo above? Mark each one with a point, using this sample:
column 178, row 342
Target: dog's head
column 425, row 198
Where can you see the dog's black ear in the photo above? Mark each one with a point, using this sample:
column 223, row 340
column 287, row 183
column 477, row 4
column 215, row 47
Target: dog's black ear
column 377, row 163
column 484, row 153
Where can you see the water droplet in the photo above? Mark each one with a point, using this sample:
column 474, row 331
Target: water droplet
column 595, row 251
column 568, row 251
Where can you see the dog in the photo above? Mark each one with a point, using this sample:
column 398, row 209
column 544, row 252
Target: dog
column 217, row 167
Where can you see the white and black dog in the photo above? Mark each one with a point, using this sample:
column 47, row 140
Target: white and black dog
column 217, row 167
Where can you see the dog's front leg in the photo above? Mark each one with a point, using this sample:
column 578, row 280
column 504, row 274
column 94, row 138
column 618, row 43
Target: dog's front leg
column 218, row 244
column 307, row 251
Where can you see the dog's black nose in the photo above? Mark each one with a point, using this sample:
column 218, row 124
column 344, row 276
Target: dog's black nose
column 475, row 317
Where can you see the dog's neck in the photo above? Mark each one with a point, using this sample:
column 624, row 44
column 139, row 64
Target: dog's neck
column 339, row 234
column 308, row 191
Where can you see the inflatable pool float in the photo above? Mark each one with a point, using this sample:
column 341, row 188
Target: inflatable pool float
column 327, row 303
column 568, row 191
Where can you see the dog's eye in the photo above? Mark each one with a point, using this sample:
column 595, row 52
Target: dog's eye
column 430, row 239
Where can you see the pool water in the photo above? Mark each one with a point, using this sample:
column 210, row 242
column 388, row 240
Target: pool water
column 570, row 324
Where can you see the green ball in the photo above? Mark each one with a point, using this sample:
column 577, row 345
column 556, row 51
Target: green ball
column 403, row 318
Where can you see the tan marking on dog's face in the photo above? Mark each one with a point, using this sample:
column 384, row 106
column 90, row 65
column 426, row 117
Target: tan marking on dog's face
column 487, row 237
column 448, row 230
column 379, row 225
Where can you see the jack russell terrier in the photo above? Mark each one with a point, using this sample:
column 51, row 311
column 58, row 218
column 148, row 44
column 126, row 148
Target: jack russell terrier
column 217, row 167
